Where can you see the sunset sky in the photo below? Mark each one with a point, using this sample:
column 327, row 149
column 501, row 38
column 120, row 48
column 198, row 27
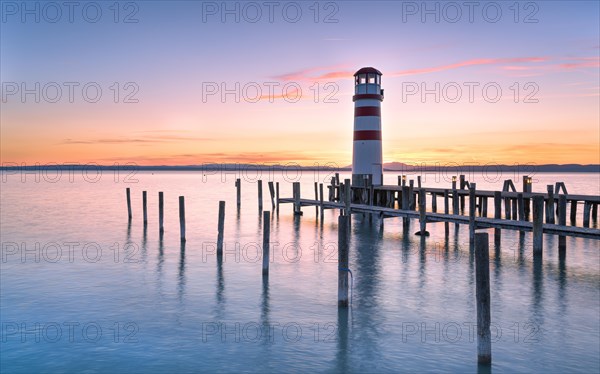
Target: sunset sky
column 176, row 51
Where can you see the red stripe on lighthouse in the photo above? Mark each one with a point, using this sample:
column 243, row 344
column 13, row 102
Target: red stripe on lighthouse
column 367, row 135
column 363, row 111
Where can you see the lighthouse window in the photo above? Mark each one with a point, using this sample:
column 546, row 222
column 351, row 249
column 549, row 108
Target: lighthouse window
column 371, row 79
column 363, row 79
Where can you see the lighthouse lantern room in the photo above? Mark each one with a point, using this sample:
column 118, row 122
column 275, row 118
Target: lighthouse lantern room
column 367, row 164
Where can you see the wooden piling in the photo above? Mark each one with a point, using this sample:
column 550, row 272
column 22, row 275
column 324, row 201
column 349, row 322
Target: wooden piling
column 472, row 206
column 128, row 194
column 479, row 205
column 266, row 240
column 337, row 179
column 419, row 181
column 482, row 291
column 321, row 198
column 562, row 220
column 521, row 206
column 347, row 196
column 484, row 209
column 317, row 198
column 405, row 205
column 587, row 206
column 455, row 201
column 182, row 218
column 595, row 212
column 507, row 213
column 550, row 204
column 272, row 194
column 462, row 197
column 296, row 193
column 538, row 224
column 220, row 228
column 573, row 212
column 497, row 215
column 399, row 180
column 343, row 249
column 446, row 211
column 514, row 209
column 277, row 195
column 145, row 207
column 411, row 195
column 434, row 202
column 260, row 195
column 238, row 187
column 161, row 213
column 422, row 213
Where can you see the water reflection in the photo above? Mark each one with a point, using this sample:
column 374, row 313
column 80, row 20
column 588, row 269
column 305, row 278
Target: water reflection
column 341, row 356
column 181, row 273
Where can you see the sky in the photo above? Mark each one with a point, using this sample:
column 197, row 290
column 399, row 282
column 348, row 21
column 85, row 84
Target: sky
column 194, row 82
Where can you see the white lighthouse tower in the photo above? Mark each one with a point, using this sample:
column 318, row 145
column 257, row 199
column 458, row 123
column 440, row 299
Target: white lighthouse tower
column 367, row 161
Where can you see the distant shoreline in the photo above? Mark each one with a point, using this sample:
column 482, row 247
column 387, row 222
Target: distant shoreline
column 399, row 168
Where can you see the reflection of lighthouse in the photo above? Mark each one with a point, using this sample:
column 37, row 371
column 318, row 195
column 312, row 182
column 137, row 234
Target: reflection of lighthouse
column 366, row 153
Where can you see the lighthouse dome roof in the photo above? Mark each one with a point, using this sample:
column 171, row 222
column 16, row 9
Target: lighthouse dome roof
column 368, row 70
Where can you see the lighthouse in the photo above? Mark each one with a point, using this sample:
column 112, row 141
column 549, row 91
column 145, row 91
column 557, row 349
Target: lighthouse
column 367, row 159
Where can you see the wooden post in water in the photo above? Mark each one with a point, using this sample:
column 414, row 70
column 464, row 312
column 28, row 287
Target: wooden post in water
column 337, row 179
column 462, row 197
column 145, row 207
column 238, row 187
column 272, row 194
column 161, row 213
column 220, row 228
column 422, row 213
column 347, row 196
column 434, row 202
column 497, row 215
column 595, row 212
column 260, row 197
column 562, row 220
column 321, row 198
column 317, row 198
column 482, row 291
column 296, row 194
column 472, row 206
column 446, row 211
column 573, row 212
column 128, row 194
column 343, row 249
column 399, row 180
column 507, row 213
column 479, row 205
column 587, row 206
column 419, row 181
column 550, row 204
column 277, row 195
column 266, row 240
column 515, row 209
column 411, row 195
column 484, row 203
column 405, row 205
column 182, row 218
column 538, row 224
column 521, row 206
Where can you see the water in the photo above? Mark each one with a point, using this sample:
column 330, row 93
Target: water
column 105, row 296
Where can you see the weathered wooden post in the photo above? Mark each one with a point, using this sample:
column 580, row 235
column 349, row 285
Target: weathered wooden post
column 128, row 194
column 538, row 224
column 482, row 291
column 220, row 228
column 238, row 187
column 587, row 206
column 497, row 215
column 595, row 212
column 347, row 196
column 316, row 198
column 297, row 206
column 550, row 204
column 472, row 207
column 266, row 240
column 507, row 213
column 454, row 182
column 462, row 197
column 321, row 198
column 161, row 213
column 145, row 206
column 455, row 201
column 405, row 205
column 343, row 249
column 260, row 196
column 521, row 206
column 562, row 220
column 411, row 195
column 446, row 211
column 434, row 202
column 484, row 209
column 182, row 218
column 337, row 179
column 277, row 195
column 573, row 212
column 419, row 181
column 422, row 214
column 272, row 194
column 515, row 209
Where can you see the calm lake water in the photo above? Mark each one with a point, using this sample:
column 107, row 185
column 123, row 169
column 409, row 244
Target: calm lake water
column 82, row 291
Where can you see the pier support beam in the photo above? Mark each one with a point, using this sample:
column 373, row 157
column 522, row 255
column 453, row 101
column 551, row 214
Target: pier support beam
column 238, row 187
column 220, row 228
column 145, row 207
column 497, row 215
column 161, row 213
column 538, row 225
column 182, row 218
column 562, row 220
column 472, row 207
column 343, row 248
column 266, row 240
column 260, row 196
column 128, row 195
column 550, row 204
column 482, row 291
